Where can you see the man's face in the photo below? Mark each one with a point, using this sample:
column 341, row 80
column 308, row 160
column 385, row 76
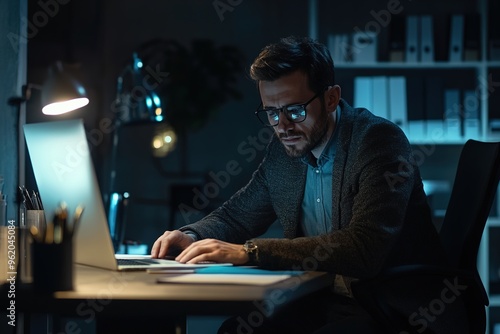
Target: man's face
column 298, row 138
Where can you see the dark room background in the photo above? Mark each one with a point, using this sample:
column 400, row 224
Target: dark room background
column 98, row 38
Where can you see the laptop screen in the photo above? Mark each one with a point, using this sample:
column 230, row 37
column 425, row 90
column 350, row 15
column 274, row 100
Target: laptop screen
column 64, row 172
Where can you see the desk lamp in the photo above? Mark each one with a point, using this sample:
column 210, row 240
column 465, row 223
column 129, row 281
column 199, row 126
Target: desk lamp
column 60, row 94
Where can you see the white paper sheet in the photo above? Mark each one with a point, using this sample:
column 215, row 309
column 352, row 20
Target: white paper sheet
column 240, row 279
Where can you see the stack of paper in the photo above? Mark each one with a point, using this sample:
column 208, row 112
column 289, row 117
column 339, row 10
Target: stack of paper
column 226, row 275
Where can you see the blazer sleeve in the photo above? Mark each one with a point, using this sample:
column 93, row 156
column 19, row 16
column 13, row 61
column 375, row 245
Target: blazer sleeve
column 246, row 215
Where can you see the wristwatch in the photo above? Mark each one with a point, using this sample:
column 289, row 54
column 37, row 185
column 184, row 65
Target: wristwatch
column 252, row 251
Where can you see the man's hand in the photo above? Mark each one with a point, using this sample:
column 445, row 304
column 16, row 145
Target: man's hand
column 213, row 250
column 168, row 241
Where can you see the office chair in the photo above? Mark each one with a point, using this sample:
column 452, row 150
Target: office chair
column 448, row 299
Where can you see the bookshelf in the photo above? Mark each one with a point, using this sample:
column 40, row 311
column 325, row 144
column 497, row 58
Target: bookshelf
column 479, row 74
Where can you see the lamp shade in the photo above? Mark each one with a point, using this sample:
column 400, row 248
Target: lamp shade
column 61, row 93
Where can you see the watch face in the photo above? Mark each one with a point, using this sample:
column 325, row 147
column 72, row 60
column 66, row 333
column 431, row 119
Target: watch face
column 252, row 250
column 250, row 246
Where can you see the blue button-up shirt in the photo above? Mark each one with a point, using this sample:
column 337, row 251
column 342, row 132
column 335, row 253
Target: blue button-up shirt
column 317, row 203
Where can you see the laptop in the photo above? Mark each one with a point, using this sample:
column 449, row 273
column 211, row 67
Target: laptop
column 64, row 172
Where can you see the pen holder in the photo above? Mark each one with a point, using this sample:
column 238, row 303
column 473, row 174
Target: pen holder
column 53, row 266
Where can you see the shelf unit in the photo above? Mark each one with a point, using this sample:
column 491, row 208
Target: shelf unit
column 481, row 70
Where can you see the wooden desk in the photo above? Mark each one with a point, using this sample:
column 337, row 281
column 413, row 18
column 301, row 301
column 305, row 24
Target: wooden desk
column 101, row 293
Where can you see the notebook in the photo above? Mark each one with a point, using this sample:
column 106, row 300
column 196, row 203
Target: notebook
column 64, row 172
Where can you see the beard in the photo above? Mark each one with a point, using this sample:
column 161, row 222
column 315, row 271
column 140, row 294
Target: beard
column 315, row 137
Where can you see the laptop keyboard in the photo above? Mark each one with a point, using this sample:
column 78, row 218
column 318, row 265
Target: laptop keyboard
column 135, row 262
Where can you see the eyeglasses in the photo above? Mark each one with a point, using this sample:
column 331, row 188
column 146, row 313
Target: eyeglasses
column 295, row 113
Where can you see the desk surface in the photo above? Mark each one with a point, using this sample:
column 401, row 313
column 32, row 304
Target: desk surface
column 112, row 292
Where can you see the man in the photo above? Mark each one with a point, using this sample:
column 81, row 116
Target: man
column 339, row 180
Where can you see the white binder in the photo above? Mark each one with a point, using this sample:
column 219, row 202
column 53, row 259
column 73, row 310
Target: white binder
column 456, row 38
column 380, row 93
column 397, row 102
column 426, row 39
column 363, row 92
column 412, row 48
column 364, row 47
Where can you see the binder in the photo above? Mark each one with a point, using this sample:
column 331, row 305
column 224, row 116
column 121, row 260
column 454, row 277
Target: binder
column 330, row 44
column 380, row 96
column 363, row 92
column 336, row 44
column 434, row 106
column 471, row 115
column 494, row 114
column 441, row 35
column 412, row 39
column 397, row 102
column 426, row 38
column 496, row 327
column 396, row 44
column 453, row 108
column 415, row 107
column 493, row 30
column 364, row 47
column 342, row 48
column 456, row 38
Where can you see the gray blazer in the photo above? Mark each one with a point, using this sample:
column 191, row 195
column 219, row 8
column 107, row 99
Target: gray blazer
column 380, row 213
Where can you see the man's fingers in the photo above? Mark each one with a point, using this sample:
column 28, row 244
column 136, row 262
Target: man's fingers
column 160, row 246
column 170, row 240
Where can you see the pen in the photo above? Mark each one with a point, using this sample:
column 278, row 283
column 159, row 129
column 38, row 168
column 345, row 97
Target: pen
column 26, row 198
column 60, row 223
column 49, row 233
column 40, row 205
column 34, row 200
column 23, row 196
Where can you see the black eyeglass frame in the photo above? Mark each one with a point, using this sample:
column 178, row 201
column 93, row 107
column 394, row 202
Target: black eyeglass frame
column 285, row 111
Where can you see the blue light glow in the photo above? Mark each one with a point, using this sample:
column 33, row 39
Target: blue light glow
column 149, row 102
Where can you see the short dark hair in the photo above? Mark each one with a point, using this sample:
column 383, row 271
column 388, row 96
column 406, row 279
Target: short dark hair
column 291, row 54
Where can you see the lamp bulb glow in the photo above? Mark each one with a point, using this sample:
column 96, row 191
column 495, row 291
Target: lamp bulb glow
column 58, row 108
